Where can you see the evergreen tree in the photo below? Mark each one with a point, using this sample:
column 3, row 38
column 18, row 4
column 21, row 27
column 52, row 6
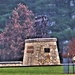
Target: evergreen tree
column 41, row 26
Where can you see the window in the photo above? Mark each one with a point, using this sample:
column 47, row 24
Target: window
column 30, row 49
column 46, row 50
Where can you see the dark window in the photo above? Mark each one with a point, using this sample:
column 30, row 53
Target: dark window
column 30, row 51
column 46, row 50
column 30, row 47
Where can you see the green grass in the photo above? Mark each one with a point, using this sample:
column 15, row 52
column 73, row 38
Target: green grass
column 43, row 70
column 71, row 68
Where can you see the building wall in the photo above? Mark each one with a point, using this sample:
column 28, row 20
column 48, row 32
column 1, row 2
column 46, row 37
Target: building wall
column 41, row 51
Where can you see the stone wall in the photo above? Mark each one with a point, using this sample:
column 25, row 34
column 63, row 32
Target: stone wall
column 41, row 51
column 11, row 63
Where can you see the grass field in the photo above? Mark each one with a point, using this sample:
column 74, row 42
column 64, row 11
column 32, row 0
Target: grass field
column 43, row 70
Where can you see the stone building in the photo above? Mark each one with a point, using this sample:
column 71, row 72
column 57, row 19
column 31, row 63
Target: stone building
column 41, row 51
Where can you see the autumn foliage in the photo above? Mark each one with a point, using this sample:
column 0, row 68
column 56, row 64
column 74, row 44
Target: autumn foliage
column 71, row 47
column 70, row 50
column 21, row 25
column 18, row 28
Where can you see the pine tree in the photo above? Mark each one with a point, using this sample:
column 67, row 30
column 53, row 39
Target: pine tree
column 41, row 26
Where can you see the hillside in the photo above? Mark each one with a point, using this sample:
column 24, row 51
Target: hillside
column 61, row 15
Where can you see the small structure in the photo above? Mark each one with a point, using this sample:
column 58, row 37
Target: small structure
column 41, row 51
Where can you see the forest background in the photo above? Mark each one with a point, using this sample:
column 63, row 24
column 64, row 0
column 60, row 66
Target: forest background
column 61, row 15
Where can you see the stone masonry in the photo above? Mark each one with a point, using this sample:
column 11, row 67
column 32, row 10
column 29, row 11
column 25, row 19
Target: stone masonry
column 41, row 51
